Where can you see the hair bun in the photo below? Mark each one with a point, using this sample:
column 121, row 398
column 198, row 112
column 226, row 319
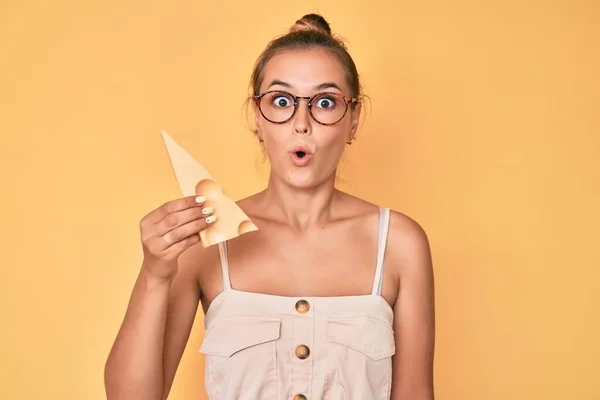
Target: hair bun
column 312, row 22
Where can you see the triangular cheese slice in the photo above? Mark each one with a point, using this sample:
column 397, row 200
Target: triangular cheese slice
column 194, row 179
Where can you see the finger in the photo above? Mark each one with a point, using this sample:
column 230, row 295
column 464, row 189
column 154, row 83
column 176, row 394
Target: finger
column 184, row 231
column 174, row 206
column 180, row 218
column 179, row 247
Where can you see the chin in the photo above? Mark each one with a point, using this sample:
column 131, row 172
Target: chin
column 304, row 179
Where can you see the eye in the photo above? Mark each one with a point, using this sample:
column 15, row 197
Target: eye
column 325, row 102
column 281, row 101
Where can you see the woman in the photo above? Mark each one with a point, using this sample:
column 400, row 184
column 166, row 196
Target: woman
column 332, row 298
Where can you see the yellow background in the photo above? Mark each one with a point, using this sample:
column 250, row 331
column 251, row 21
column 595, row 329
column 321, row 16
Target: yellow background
column 483, row 126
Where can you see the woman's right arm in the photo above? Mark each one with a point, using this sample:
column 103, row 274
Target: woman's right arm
column 162, row 306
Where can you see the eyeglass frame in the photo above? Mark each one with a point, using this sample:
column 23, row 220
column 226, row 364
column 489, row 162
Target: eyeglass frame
column 347, row 101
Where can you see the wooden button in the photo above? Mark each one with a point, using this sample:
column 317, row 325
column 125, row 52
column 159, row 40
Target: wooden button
column 299, row 397
column 302, row 352
column 302, row 306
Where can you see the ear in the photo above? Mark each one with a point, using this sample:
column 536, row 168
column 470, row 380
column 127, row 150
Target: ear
column 354, row 121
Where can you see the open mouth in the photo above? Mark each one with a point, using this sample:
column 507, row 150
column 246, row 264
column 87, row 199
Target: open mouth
column 300, row 157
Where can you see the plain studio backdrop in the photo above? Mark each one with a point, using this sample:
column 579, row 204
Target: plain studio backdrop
column 483, row 125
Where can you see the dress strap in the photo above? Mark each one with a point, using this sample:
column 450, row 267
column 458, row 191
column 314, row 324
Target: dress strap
column 224, row 265
column 384, row 224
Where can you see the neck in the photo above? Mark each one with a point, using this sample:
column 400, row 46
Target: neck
column 301, row 208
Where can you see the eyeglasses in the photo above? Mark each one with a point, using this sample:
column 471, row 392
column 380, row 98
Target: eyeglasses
column 278, row 106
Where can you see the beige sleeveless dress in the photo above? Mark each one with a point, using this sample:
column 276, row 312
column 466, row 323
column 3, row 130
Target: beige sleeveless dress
column 267, row 347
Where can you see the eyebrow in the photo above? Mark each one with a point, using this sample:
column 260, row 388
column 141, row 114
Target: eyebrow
column 280, row 83
column 322, row 86
column 328, row 85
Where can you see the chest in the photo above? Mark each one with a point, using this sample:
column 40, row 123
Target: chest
column 336, row 260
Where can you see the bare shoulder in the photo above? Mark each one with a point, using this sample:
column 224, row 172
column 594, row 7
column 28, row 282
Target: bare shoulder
column 407, row 233
column 408, row 246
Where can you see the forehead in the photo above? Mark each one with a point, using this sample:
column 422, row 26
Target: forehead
column 304, row 70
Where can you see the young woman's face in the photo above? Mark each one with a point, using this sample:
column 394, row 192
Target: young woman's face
column 302, row 152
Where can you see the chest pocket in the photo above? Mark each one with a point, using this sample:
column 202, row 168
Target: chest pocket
column 360, row 346
column 241, row 356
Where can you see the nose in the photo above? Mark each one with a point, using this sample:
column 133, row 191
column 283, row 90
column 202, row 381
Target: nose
column 302, row 119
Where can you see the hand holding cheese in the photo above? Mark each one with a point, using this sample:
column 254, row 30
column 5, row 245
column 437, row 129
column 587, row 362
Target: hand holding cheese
column 169, row 230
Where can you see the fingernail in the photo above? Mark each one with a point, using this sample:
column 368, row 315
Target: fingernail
column 207, row 210
column 211, row 219
column 200, row 199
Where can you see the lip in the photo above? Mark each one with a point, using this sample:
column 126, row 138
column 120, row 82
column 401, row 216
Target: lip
column 300, row 161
